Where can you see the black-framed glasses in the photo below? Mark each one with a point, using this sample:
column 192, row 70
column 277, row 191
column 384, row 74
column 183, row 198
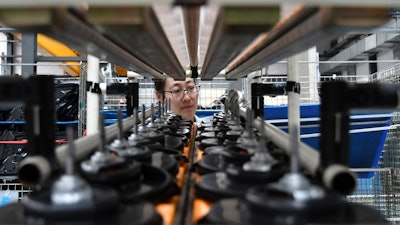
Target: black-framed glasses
column 179, row 93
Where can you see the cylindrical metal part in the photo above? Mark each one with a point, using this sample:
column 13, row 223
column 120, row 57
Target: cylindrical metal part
column 309, row 157
column 34, row 170
column 338, row 177
column 340, row 180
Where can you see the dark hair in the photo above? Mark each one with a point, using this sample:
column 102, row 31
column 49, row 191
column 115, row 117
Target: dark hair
column 159, row 85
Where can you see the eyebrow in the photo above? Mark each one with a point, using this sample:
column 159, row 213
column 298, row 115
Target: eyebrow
column 186, row 82
column 189, row 81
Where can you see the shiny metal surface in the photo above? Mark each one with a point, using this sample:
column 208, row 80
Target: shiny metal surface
column 158, row 41
column 233, row 31
column 40, row 3
column 301, row 31
column 69, row 28
column 191, row 19
column 138, row 31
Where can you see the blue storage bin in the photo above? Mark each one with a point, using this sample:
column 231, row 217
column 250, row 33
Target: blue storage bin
column 112, row 114
column 206, row 113
column 365, row 147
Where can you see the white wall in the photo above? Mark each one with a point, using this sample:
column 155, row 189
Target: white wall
column 386, row 54
column 362, row 69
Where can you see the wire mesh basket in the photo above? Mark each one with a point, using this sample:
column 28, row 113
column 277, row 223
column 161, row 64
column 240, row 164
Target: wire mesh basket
column 12, row 191
column 378, row 192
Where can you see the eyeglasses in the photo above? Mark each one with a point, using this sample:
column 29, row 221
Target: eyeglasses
column 179, row 93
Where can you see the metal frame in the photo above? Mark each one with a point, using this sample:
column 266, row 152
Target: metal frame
column 301, row 31
column 234, row 30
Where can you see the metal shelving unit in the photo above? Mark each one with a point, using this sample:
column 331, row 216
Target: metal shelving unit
column 381, row 191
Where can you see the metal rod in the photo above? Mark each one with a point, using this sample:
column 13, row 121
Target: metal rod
column 103, row 135
column 301, row 31
column 39, row 64
column 191, row 20
column 65, row 26
column 294, row 113
column 352, row 61
column 120, row 126
column 230, row 35
column 87, row 144
column 310, row 159
column 70, row 162
column 144, row 36
column 61, row 58
column 143, row 116
column 152, row 113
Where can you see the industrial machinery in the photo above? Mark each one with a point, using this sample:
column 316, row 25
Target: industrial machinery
column 153, row 166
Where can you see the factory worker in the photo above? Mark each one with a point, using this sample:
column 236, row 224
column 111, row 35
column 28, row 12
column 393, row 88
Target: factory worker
column 183, row 95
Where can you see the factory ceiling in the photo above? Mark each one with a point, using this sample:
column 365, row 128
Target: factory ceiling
column 181, row 38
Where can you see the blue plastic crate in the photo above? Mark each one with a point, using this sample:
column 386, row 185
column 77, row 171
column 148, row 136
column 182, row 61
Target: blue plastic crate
column 365, row 147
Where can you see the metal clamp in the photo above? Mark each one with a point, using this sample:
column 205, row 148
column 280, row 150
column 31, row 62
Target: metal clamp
column 93, row 87
column 292, row 86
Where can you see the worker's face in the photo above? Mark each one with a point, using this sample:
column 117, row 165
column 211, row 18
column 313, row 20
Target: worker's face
column 187, row 104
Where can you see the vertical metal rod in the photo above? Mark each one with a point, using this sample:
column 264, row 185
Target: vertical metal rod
column 263, row 140
column 260, row 107
column 295, row 155
column 165, row 108
column 29, row 54
column 82, row 101
column 120, row 126
column 169, row 105
column 135, row 120
column 143, row 115
column 152, row 113
column 70, row 160
column 159, row 112
column 8, row 69
column 249, row 122
column 294, row 113
column 103, row 139
column 40, row 116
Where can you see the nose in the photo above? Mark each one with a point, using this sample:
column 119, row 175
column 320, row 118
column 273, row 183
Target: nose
column 185, row 94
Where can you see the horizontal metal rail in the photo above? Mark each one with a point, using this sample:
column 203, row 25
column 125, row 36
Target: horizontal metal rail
column 302, row 31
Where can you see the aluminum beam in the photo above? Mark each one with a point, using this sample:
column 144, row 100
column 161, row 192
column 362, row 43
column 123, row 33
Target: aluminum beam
column 234, row 30
column 70, row 29
column 191, row 20
column 79, row 3
column 365, row 46
column 302, row 31
column 138, row 31
column 29, row 53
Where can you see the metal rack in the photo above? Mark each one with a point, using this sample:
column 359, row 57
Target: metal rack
column 12, row 191
column 381, row 191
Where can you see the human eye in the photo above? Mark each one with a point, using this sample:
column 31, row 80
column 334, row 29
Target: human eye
column 176, row 91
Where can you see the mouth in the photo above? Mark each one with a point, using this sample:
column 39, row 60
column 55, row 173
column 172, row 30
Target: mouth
column 187, row 107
